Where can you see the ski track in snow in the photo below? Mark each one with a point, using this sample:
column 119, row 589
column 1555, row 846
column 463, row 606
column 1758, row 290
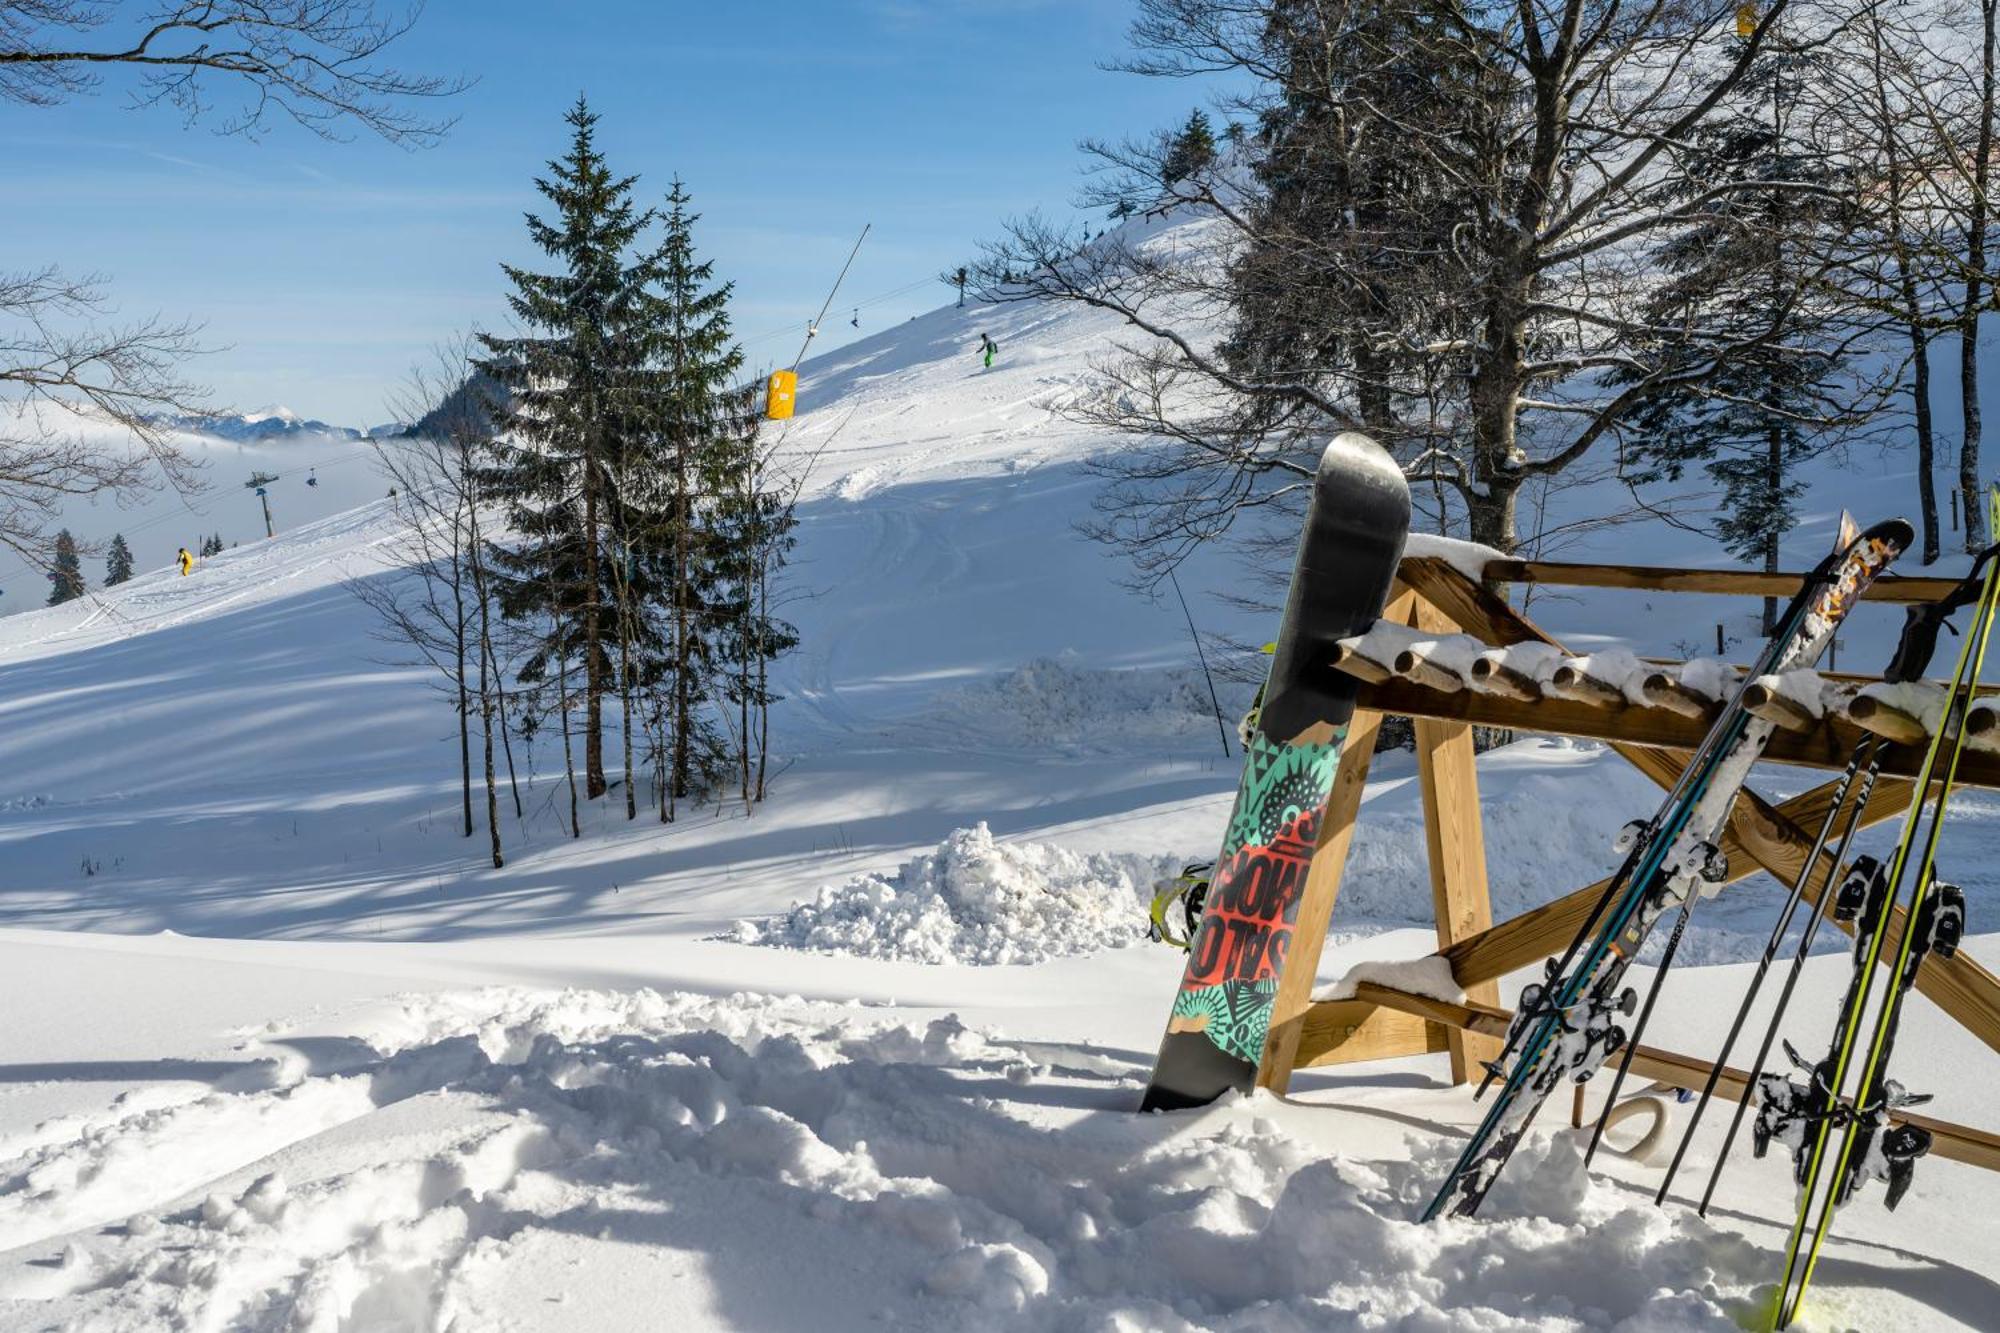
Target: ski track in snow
column 515, row 1124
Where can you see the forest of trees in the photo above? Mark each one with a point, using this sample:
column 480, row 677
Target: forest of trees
column 1533, row 246
column 594, row 517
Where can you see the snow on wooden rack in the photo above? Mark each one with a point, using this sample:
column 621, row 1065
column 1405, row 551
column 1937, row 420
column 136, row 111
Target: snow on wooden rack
column 1800, row 701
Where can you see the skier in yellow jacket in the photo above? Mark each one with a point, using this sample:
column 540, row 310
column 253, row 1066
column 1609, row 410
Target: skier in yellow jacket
column 186, row 562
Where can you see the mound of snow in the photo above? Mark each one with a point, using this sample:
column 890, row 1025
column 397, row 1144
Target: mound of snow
column 978, row 901
column 586, row 1159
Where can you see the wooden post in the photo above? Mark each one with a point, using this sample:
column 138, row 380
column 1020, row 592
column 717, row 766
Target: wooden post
column 1336, row 835
column 1449, row 780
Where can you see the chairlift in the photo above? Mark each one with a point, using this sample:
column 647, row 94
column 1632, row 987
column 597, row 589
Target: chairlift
column 856, row 321
column 312, row 477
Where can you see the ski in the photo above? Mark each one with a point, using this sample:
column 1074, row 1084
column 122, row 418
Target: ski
column 1914, row 650
column 1347, row 558
column 1568, row 1025
column 1872, row 748
column 1933, row 922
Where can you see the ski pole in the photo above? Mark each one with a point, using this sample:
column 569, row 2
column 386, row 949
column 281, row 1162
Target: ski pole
column 1791, row 978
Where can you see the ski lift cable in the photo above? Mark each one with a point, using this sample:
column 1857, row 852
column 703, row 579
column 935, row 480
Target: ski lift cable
column 867, row 304
column 813, row 327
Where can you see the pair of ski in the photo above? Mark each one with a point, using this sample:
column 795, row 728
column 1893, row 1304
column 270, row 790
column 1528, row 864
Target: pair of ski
column 1568, row 1025
column 1804, row 1115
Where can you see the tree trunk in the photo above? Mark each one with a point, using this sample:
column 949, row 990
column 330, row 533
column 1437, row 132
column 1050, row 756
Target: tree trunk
column 593, row 654
column 683, row 692
column 569, row 750
column 489, row 670
column 763, row 675
column 1969, row 485
column 1913, row 321
column 625, row 706
column 507, row 741
column 1774, row 477
column 486, row 729
column 1920, row 403
column 464, row 703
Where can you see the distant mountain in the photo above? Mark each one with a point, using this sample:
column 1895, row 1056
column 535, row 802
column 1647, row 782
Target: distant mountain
column 468, row 407
column 268, row 423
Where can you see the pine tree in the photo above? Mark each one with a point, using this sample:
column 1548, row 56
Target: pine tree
column 66, row 572
column 567, row 382
column 1740, row 305
column 117, row 562
column 1348, row 223
column 695, row 360
column 1192, row 150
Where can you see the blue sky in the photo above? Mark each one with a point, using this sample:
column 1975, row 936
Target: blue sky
column 323, row 272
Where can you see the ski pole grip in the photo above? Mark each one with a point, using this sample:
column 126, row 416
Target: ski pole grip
column 1347, row 558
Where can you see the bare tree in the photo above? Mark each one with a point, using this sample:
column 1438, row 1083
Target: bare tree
column 436, row 601
column 82, row 402
column 317, row 63
column 83, row 395
column 1467, row 271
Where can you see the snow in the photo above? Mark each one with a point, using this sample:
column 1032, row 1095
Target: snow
column 977, row 901
column 1532, row 658
column 1804, row 687
column 1430, row 976
column 1384, row 640
column 811, row 1168
column 1468, row 558
column 1616, row 667
column 1713, row 677
column 1921, row 699
column 281, row 1050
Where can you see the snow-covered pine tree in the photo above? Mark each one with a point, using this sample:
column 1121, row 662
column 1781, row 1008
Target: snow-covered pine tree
column 695, row 359
column 566, row 380
column 65, row 571
column 117, row 562
column 1742, row 318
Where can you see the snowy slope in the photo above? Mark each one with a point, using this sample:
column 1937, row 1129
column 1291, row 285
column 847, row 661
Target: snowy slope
column 280, row 1050
column 156, row 523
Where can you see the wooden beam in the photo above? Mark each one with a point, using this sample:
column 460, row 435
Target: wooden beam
column 1338, row 1032
column 1960, row 1143
column 1541, row 931
column 1824, row 743
column 1733, row 582
column 1448, row 777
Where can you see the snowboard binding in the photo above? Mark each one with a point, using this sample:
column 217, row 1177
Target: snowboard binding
column 1190, row 890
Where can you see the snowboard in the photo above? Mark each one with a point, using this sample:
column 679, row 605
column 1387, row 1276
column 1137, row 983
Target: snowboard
column 1358, row 518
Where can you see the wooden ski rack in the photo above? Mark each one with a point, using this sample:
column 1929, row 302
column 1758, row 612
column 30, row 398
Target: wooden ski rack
column 1432, row 658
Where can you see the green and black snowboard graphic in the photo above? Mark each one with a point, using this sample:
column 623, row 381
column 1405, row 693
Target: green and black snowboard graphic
column 1353, row 538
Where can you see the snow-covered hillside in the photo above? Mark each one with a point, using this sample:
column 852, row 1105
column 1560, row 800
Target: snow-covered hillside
column 280, row 1050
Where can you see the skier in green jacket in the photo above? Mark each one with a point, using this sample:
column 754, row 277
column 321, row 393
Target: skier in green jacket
column 989, row 349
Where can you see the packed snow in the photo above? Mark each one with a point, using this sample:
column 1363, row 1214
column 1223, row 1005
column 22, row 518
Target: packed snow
column 814, row 1169
column 975, row 900
column 1428, row 976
